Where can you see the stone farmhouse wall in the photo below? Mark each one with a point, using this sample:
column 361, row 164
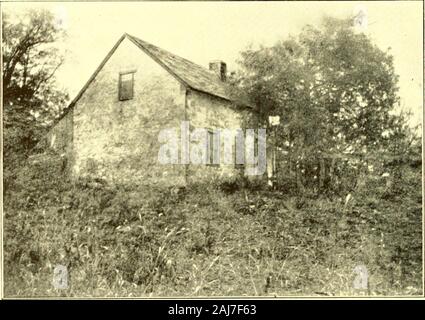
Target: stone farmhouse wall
column 118, row 140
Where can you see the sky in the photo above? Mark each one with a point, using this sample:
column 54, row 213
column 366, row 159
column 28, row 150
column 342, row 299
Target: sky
column 205, row 31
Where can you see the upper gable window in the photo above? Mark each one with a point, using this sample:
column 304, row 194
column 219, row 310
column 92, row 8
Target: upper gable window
column 126, row 86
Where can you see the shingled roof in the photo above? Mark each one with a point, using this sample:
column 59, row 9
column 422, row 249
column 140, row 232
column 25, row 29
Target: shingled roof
column 193, row 75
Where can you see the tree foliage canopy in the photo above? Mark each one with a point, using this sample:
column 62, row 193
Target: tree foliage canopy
column 335, row 92
column 31, row 98
column 331, row 86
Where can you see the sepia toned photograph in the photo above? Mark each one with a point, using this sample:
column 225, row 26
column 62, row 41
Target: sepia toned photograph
column 212, row 149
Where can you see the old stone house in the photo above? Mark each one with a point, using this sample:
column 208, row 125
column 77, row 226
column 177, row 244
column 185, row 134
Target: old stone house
column 111, row 129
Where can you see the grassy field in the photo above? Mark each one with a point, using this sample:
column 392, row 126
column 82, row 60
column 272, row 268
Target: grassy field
column 221, row 240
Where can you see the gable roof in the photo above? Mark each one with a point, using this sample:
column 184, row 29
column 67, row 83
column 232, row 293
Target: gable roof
column 191, row 74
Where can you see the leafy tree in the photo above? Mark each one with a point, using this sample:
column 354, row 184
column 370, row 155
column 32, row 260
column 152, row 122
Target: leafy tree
column 333, row 89
column 31, row 100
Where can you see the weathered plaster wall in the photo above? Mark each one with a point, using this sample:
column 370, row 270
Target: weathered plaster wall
column 206, row 111
column 118, row 140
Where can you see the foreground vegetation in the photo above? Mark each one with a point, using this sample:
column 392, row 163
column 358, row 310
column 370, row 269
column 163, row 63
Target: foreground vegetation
column 220, row 240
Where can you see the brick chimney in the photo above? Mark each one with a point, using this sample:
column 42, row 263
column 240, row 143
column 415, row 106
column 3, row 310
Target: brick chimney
column 219, row 68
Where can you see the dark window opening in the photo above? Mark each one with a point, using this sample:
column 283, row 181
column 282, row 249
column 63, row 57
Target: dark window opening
column 126, row 86
column 213, row 148
column 239, row 151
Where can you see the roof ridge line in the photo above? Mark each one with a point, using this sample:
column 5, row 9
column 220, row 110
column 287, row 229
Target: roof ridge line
column 169, row 52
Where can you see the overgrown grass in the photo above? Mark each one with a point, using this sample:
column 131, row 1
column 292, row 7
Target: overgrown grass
column 208, row 240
